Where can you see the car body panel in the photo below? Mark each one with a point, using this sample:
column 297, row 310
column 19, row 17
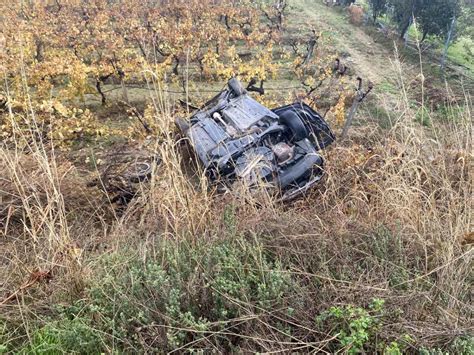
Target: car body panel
column 237, row 138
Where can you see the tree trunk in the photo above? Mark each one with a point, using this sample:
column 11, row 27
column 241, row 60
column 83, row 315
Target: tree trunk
column 99, row 90
column 282, row 4
column 175, row 68
column 403, row 34
column 449, row 38
column 311, row 44
column 142, row 50
column 124, row 91
column 124, row 88
column 98, row 86
column 226, row 22
column 39, row 56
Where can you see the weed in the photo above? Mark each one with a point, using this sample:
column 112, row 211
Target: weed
column 65, row 336
column 392, row 349
column 459, row 346
column 354, row 327
column 423, row 116
column 387, row 87
column 463, row 345
column 230, row 219
column 3, row 337
column 188, row 269
column 379, row 115
column 450, row 113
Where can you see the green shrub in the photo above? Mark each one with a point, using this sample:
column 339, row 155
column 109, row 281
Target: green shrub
column 392, row 349
column 183, row 293
column 65, row 336
column 3, row 338
column 460, row 346
column 450, row 113
column 463, row 345
column 354, row 327
column 423, row 116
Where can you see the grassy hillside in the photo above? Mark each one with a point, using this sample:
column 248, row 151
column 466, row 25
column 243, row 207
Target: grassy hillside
column 376, row 259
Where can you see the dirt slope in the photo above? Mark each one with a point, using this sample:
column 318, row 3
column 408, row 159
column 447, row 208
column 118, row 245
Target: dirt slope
column 371, row 59
column 368, row 58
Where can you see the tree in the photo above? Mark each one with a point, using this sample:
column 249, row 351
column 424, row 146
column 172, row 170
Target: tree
column 276, row 13
column 436, row 16
column 433, row 16
column 465, row 25
column 403, row 12
column 448, row 42
column 378, row 7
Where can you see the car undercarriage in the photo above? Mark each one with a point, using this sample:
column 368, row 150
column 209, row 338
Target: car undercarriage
column 238, row 139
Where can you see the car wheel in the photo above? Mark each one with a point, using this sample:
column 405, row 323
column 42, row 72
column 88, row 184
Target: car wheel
column 236, row 87
column 139, row 171
column 292, row 120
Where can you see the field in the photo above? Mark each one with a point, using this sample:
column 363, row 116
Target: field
column 376, row 259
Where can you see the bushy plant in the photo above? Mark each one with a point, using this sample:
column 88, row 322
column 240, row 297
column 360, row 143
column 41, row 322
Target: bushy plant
column 461, row 345
column 183, row 294
column 354, row 327
column 65, row 336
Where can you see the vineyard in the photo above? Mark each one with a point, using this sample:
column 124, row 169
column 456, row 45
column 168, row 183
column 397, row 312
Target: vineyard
column 376, row 258
column 71, row 54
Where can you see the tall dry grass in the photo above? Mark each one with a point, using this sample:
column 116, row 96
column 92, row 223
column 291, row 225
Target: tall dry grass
column 44, row 216
column 412, row 181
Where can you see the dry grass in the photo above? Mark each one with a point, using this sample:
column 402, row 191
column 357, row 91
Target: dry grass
column 389, row 222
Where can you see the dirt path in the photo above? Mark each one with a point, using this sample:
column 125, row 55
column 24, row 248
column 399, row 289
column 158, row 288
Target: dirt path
column 368, row 58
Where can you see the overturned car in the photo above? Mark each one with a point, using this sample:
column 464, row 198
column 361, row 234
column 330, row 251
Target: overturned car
column 237, row 138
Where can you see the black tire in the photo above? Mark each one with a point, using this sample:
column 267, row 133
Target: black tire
column 139, row 171
column 236, row 87
column 295, row 124
column 319, row 132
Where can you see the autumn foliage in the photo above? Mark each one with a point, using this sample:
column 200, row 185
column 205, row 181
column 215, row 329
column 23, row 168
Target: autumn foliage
column 58, row 53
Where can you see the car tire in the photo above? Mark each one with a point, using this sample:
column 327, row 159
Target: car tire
column 236, row 87
column 295, row 124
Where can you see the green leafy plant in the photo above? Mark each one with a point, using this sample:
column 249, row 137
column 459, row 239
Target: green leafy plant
column 190, row 290
column 393, row 349
column 65, row 336
column 353, row 326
